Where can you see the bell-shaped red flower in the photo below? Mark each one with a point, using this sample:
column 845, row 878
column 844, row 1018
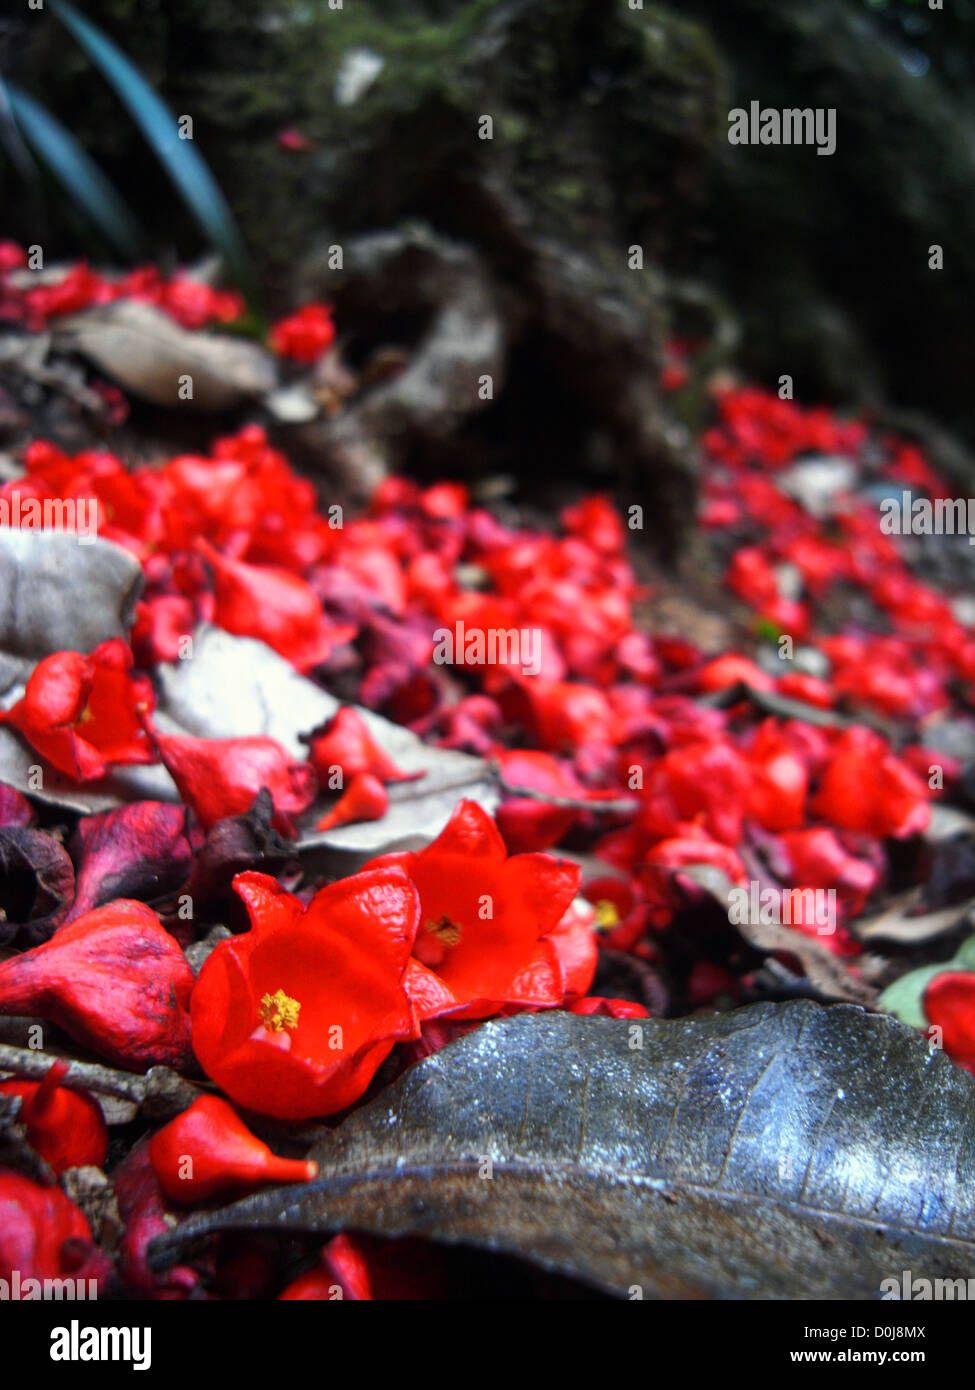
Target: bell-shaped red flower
column 221, row 777
column 114, row 979
column 275, row 606
column 209, row 1150
column 65, row 1127
column 83, row 713
column 487, row 921
column 294, row 1017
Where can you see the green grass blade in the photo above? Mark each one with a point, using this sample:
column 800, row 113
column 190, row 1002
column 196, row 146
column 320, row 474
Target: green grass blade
column 77, row 172
column 179, row 158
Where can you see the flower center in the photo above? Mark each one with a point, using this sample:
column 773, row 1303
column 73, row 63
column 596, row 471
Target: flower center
column 606, row 915
column 446, row 931
column 279, row 1011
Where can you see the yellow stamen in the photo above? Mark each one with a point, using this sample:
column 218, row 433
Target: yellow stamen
column 446, row 931
column 279, row 1011
column 606, row 915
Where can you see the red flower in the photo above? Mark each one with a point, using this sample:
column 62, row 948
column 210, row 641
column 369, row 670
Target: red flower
column 82, row 713
column 43, row 1235
column 276, row 607
column 221, row 777
column 705, row 783
column 866, row 788
column 65, row 1127
column 294, row 1017
column 305, row 334
column 949, row 1002
column 818, row 857
column 345, row 744
column 208, row 1150
column 487, row 922
column 115, row 979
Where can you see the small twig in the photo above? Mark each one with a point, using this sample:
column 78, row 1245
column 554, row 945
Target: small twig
column 618, row 806
column 160, row 1093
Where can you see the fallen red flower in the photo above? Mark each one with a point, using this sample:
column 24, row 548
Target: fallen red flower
column 487, row 937
column 274, row 606
column 294, row 1017
column 82, row 713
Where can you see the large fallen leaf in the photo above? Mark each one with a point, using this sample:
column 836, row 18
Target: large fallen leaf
column 781, row 1151
column 57, row 594
column 151, row 356
column 234, row 687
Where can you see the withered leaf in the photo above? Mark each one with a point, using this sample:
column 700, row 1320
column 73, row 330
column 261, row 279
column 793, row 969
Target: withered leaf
column 151, row 356
column 740, row 1155
column 234, row 687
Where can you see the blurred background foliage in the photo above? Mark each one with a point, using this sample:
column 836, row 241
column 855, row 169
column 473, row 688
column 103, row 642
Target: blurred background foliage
column 610, row 130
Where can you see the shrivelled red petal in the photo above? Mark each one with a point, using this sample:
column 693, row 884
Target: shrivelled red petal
column 140, row 850
column 222, row 777
column 115, row 979
column 43, row 1235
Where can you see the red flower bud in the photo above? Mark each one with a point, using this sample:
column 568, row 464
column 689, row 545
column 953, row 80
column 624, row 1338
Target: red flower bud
column 275, row 606
column 115, row 980
column 221, row 777
column 347, row 744
column 208, row 1150
column 65, row 1127
column 83, row 713
column 364, row 799
column 43, row 1235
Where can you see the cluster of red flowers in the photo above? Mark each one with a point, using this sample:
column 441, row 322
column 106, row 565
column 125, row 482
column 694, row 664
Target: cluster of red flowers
column 302, row 336
column 649, row 750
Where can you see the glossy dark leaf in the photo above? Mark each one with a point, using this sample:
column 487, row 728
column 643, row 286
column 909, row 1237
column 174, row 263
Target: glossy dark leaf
column 94, row 194
column 179, row 158
column 781, row 1151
